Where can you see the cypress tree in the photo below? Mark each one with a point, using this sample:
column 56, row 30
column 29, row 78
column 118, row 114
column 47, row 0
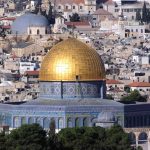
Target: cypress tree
column 138, row 16
column 144, row 13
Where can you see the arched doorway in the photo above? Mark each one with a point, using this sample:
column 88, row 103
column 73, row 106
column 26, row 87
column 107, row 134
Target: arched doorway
column 38, row 31
column 23, row 120
column 46, row 123
column 127, row 33
column 77, row 122
column 38, row 121
column 31, row 120
column 69, row 123
column 85, row 122
column 16, row 122
column 60, row 123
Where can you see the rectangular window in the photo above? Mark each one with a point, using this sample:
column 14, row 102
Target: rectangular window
column 81, row 7
column 131, row 10
column 66, row 7
column 141, row 30
column 73, row 7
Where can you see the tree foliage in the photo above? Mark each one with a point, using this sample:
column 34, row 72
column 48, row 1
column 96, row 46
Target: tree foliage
column 33, row 137
column 144, row 13
column 2, row 141
column 74, row 18
column 95, row 138
column 138, row 16
column 27, row 137
column 134, row 96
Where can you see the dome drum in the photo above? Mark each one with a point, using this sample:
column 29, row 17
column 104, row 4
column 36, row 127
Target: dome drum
column 72, row 90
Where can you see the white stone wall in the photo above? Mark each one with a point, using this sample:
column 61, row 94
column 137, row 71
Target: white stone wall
column 26, row 66
column 36, row 30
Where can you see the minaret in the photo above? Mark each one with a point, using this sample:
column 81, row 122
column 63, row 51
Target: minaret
column 121, row 24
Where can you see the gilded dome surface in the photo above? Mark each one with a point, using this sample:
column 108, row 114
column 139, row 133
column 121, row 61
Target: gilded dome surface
column 72, row 59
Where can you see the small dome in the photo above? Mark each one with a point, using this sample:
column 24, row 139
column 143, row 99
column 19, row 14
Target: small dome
column 21, row 24
column 106, row 117
column 72, row 59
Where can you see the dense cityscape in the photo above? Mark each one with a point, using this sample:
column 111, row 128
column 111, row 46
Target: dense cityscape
column 76, row 72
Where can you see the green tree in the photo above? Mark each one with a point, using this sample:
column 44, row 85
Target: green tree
column 84, row 138
column 148, row 15
column 138, row 16
column 53, row 142
column 94, row 138
column 139, row 148
column 144, row 13
column 74, row 18
column 2, row 141
column 117, row 139
column 134, row 96
column 27, row 137
column 108, row 96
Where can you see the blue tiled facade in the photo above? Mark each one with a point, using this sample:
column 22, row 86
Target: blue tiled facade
column 64, row 116
column 73, row 90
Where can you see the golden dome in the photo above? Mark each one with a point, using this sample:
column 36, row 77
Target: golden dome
column 72, row 59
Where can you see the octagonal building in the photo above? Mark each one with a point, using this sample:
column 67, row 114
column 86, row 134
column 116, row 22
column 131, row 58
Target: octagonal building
column 72, row 91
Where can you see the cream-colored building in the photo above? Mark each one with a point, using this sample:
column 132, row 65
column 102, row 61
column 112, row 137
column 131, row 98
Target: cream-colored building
column 80, row 6
column 101, row 15
column 142, row 87
column 2, row 10
column 26, row 49
column 36, row 30
column 129, row 9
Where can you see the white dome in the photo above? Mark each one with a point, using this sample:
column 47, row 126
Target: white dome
column 106, row 116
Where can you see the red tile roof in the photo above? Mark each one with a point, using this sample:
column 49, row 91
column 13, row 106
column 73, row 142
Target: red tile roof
column 6, row 27
column 139, row 84
column 111, row 81
column 9, row 18
column 57, row 2
column 35, row 72
column 109, row 2
column 85, row 23
column 101, row 11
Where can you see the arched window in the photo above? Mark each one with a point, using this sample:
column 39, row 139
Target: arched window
column 46, row 123
column 69, row 123
column 142, row 137
column 31, row 120
column 60, row 123
column 93, row 122
column 77, row 122
column 38, row 31
column 23, row 120
column 16, row 122
column 132, row 137
column 53, row 123
column 38, row 120
column 85, row 122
